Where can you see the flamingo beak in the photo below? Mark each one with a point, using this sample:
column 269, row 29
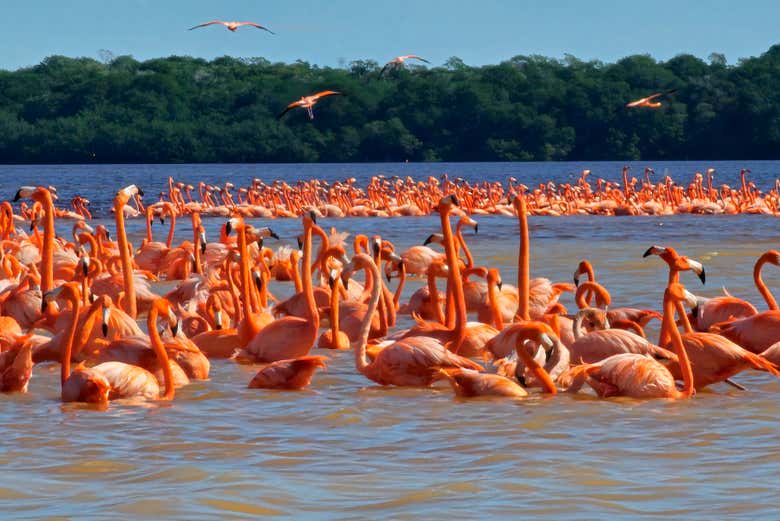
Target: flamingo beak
column 273, row 234
column 106, row 316
column 499, row 285
column 653, row 250
column 218, row 319
column 476, row 229
column 202, row 237
column 428, row 240
column 332, row 279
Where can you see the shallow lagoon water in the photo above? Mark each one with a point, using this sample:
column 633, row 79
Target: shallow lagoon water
column 347, row 449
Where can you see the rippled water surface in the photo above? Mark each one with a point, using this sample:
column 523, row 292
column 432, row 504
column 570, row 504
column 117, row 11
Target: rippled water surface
column 348, row 449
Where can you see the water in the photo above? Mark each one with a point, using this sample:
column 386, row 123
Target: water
column 347, row 449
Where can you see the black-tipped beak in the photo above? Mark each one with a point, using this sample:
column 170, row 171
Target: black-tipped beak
column 428, row 240
column 32, row 225
column 388, row 276
column 175, row 328
column 84, row 268
column 499, row 285
column 300, row 243
column 260, row 243
column 702, row 277
column 18, row 195
column 228, row 228
column 140, row 192
column 375, row 248
column 345, row 279
column 162, row 220
column 44, row 304
column 273, row 235
column 455, row 200
column 476, row 229
column 313, row 217
column 648, row 252
column 331, row 282
column 108, row 235
column 577, row 280
column 104, row 329
column 203, row 247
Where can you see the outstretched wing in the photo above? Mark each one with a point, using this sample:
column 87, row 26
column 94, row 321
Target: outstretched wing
column 288, row 108
column 326, row 93
column 258, row 26
column 415, row 57
column 208, row 23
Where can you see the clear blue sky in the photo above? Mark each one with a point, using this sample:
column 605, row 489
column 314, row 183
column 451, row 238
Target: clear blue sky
column 334, row 32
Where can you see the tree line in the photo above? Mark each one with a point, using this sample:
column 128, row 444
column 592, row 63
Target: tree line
column 183, row 109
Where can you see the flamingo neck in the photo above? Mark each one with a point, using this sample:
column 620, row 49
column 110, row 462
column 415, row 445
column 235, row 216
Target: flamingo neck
column 462, row 243
column 162, row 354
column 498, row 318
column 149, row 218
column 296, row 273
column 670, row 328
column 70, row 335
column 172, row 227
column 541, row 374
column 761, row 286
column 400, row 288
column 47, row 255
column 433, row 297
column 127, row 262
column 361, row 360
column 308, row 289
column 455, row 282
column 524, row 264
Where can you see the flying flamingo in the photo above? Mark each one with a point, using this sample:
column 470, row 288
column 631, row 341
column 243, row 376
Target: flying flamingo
column 648, row 101
column 398, row 61
column 308, row 102
column 232, row 26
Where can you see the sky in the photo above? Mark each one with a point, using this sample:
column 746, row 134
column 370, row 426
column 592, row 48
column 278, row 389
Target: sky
column 335, row 32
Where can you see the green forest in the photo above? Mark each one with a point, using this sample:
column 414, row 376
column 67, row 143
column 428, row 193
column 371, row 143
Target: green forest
column 528, row 108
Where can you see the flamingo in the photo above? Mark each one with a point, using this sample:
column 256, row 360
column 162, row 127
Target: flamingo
column 398, row 61
column 308, row 102
column 287, row 374
column 290, row 337
column 232, row 26
column 635, row 375
column 413, row 361
column 648, row 101
column 111, row 380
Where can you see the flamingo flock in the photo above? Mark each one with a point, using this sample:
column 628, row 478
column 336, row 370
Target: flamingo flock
column 391, row 196
column 82, row 302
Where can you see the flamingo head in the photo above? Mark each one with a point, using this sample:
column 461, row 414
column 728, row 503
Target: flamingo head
column 434, row 237
column 24, row 192
column 494, row 278
column 233, row 224
column 395, row 264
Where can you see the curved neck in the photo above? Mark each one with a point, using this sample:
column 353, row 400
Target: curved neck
column 400, row 288
column 670, row 328
column 149, row 218
column 246, row 302
column 127, row 262
column 541, row 374
column 296, row 273
column 361, row 360
column 466, row 252
column 334, row 310
column 576, row 326
column 72, row 295
column 498, row 319
column 162, row 354
column 762, row 288
column 171, row 211
column 455, row 281
column 433, row 297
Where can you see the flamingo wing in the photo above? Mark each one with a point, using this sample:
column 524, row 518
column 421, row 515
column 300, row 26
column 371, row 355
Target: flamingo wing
column 208, row 23
column 326, row 93
column 258, row 26
column 289, row 107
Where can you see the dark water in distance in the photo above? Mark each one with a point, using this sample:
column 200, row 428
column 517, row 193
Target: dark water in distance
column 348, row 449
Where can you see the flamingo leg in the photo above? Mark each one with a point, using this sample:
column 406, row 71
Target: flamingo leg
column 310, row 110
